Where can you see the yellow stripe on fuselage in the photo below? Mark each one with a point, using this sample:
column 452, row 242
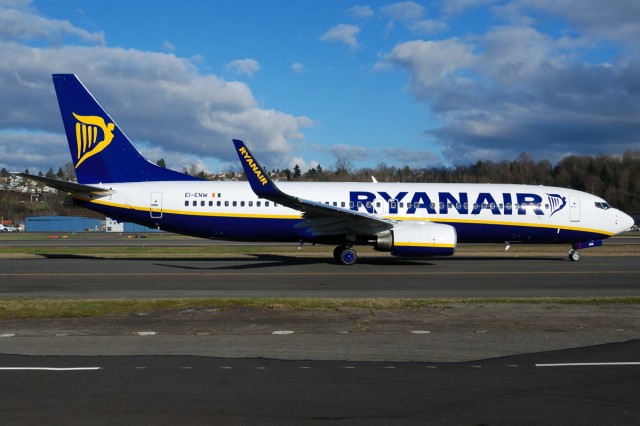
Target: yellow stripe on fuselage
column 299, row 216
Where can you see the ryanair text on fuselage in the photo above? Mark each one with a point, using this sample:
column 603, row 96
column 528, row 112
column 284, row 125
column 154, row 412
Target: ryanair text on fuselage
column 507, row 203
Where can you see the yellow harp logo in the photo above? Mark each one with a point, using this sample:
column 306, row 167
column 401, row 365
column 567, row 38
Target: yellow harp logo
column 87, row 129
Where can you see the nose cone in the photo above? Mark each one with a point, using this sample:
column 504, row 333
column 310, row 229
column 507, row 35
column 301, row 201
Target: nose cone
column 624, row 221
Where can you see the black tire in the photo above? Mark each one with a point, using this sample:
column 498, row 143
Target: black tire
column 348, row 256
column 574, row 255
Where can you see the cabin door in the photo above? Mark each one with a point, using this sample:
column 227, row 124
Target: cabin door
column 155, row 206
column 574, row 208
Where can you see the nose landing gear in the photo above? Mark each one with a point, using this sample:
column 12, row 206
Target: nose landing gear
column 574, row 255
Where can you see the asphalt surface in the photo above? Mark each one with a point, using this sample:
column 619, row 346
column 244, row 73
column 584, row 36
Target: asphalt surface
column 286, row 276
column 597, row 385
column 465, row 364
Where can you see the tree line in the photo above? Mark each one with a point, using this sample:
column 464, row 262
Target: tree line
column 616, row 178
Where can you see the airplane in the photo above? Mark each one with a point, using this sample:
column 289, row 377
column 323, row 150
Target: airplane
column 406, row 219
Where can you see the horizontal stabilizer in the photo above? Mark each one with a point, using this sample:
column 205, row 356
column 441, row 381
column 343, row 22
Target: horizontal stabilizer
column 70, row 187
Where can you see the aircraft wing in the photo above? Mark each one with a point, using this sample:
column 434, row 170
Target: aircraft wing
column 319, row 218
column 70, row 187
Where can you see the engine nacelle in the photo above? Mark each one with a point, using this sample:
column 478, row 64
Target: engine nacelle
column 418, row 239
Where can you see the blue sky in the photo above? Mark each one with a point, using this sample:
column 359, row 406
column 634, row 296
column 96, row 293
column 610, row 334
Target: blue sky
column 418, row 83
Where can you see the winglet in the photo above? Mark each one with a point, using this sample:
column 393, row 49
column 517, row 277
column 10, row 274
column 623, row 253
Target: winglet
column 259, row 179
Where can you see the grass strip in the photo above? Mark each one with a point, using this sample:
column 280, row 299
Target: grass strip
column 28, row 308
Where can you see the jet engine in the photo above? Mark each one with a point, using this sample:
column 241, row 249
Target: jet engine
column 418, row 239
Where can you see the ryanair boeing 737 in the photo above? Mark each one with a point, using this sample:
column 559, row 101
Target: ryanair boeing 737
column 406, row 219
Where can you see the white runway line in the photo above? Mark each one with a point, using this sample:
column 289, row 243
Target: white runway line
column 587, row 364
column 50, row 368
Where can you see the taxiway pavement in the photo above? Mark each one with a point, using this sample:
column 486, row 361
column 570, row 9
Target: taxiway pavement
column 286, row 276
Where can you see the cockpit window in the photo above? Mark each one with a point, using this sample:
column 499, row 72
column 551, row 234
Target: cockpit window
column 603, row 206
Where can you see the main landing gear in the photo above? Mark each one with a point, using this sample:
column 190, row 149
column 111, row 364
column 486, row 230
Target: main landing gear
column 574, row 255
column 345, row 255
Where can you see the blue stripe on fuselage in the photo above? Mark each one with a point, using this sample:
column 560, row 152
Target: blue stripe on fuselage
column 282, row 229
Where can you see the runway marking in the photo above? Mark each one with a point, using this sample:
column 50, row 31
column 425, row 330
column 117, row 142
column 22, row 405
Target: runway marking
column 587, row 364
column 50, row 368
column 283, row 332
column 278, row 274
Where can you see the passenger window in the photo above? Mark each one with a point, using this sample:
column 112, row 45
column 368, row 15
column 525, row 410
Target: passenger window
column 210, row 203
column 342, row 204
column 392, row 204
column 258, row 203
column 195, row 203
column 250, row 203
column 202, row 203
column 226, row 204
column 416, row 205
column 350, row 204
column 218, row 203
column 266, row 204
column 241, row 203
column 235, row 204
column 359, row 203
column 186, row 203
column 368, row 204
column 442, row 206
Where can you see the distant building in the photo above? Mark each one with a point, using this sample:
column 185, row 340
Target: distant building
column 82, row 224
column 62, row 224
column 111, row 225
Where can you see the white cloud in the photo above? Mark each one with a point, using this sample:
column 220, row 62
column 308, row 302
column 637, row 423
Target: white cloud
column 427, row 26
column 403, row 11
column 168, row 46
column 161, row 101
column 410, row 157
column 616, row 21
column 18, row 21
column 246, row 66
column 342, row 33
column 431, row 63
column 351, row 152
column 517, row 89
column 298, row 68
column 451, row 7
column 361, row 12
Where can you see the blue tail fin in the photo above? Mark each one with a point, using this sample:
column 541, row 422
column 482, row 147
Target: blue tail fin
column 101, row 153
